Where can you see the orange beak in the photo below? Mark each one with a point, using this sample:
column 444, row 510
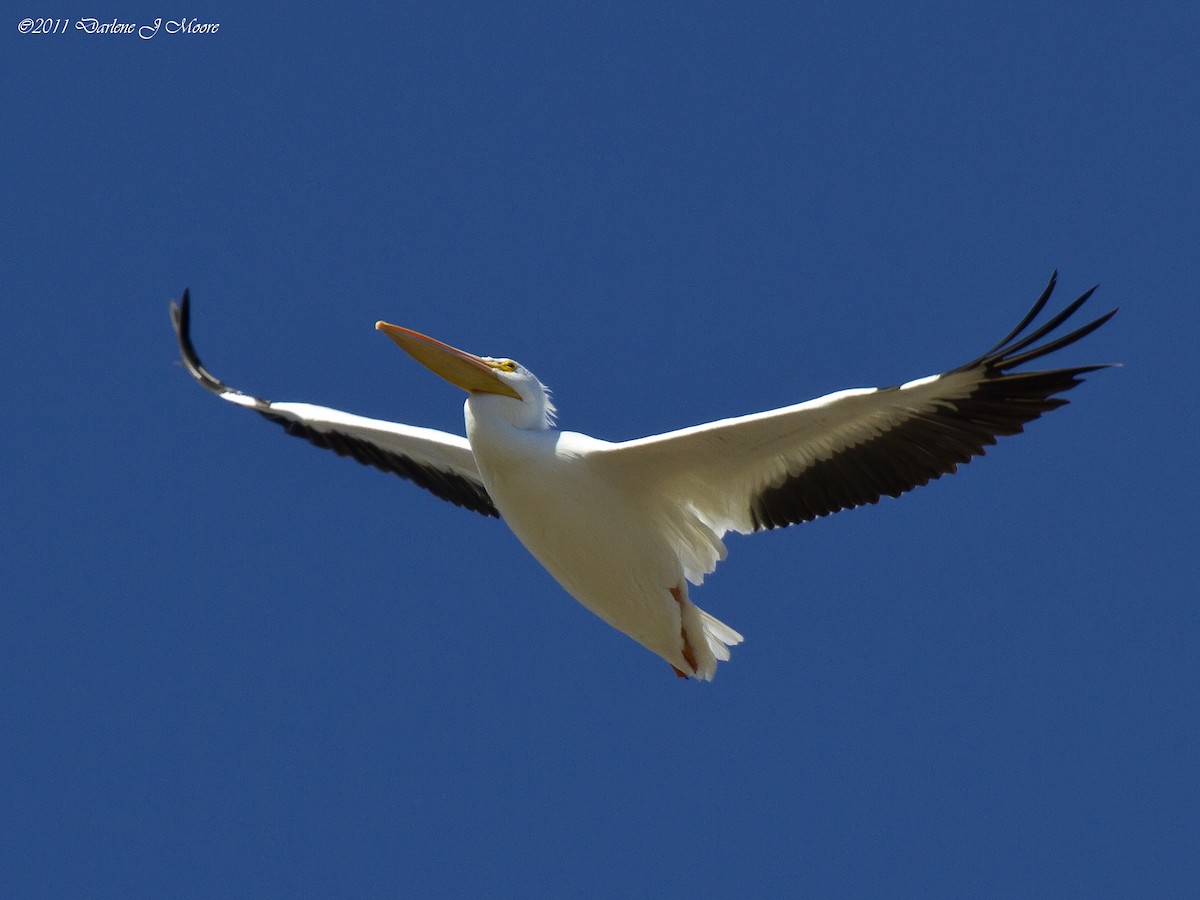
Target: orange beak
column 462, row 369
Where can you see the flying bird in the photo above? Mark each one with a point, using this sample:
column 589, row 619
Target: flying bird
column 625, row 527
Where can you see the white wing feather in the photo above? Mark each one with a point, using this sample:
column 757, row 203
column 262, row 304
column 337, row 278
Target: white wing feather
column 851, row 447
column 439, row 462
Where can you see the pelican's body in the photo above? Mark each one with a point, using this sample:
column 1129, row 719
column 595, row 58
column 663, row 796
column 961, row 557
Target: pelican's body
column 624, row 527
column 548, row 486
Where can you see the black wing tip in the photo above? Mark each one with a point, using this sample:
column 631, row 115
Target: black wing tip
column 181, row 316
column 181, row 319
column 1051, row 284
column 1007, row 354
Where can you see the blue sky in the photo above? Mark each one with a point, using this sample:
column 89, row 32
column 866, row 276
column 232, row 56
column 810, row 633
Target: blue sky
column 234, row 665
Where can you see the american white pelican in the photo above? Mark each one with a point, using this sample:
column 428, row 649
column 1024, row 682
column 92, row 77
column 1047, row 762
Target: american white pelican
column 624, row 527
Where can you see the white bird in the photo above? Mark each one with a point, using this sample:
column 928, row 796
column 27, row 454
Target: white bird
column 625, row 527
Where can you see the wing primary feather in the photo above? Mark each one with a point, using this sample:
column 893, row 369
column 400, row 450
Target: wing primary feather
column 1066, row 340
column 1006, row 351
column 181, row 318
column 1024, row 323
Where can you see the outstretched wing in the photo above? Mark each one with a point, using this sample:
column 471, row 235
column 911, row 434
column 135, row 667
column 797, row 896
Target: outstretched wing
column 852, row 447
column 441, row 463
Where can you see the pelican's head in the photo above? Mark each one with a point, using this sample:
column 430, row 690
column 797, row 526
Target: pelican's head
column 506, row 389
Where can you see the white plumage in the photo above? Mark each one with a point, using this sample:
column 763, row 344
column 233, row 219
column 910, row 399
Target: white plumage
column 625, row 527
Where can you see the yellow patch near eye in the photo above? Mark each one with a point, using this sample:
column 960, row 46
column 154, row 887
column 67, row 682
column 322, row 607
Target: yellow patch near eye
column 506, row 365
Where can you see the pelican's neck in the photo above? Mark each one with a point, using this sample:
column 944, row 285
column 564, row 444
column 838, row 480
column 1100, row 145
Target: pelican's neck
column 491, row 414
column 533, row 412
column 505, row 435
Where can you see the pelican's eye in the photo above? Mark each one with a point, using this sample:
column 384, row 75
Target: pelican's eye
column 506, row 365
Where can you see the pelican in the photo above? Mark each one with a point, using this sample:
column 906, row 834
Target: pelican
column 626, row 526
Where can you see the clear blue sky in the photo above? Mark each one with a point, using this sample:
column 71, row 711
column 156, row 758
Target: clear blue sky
column 234, row 665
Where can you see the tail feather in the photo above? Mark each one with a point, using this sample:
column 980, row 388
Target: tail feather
column 719, row 637
column 693, row 655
